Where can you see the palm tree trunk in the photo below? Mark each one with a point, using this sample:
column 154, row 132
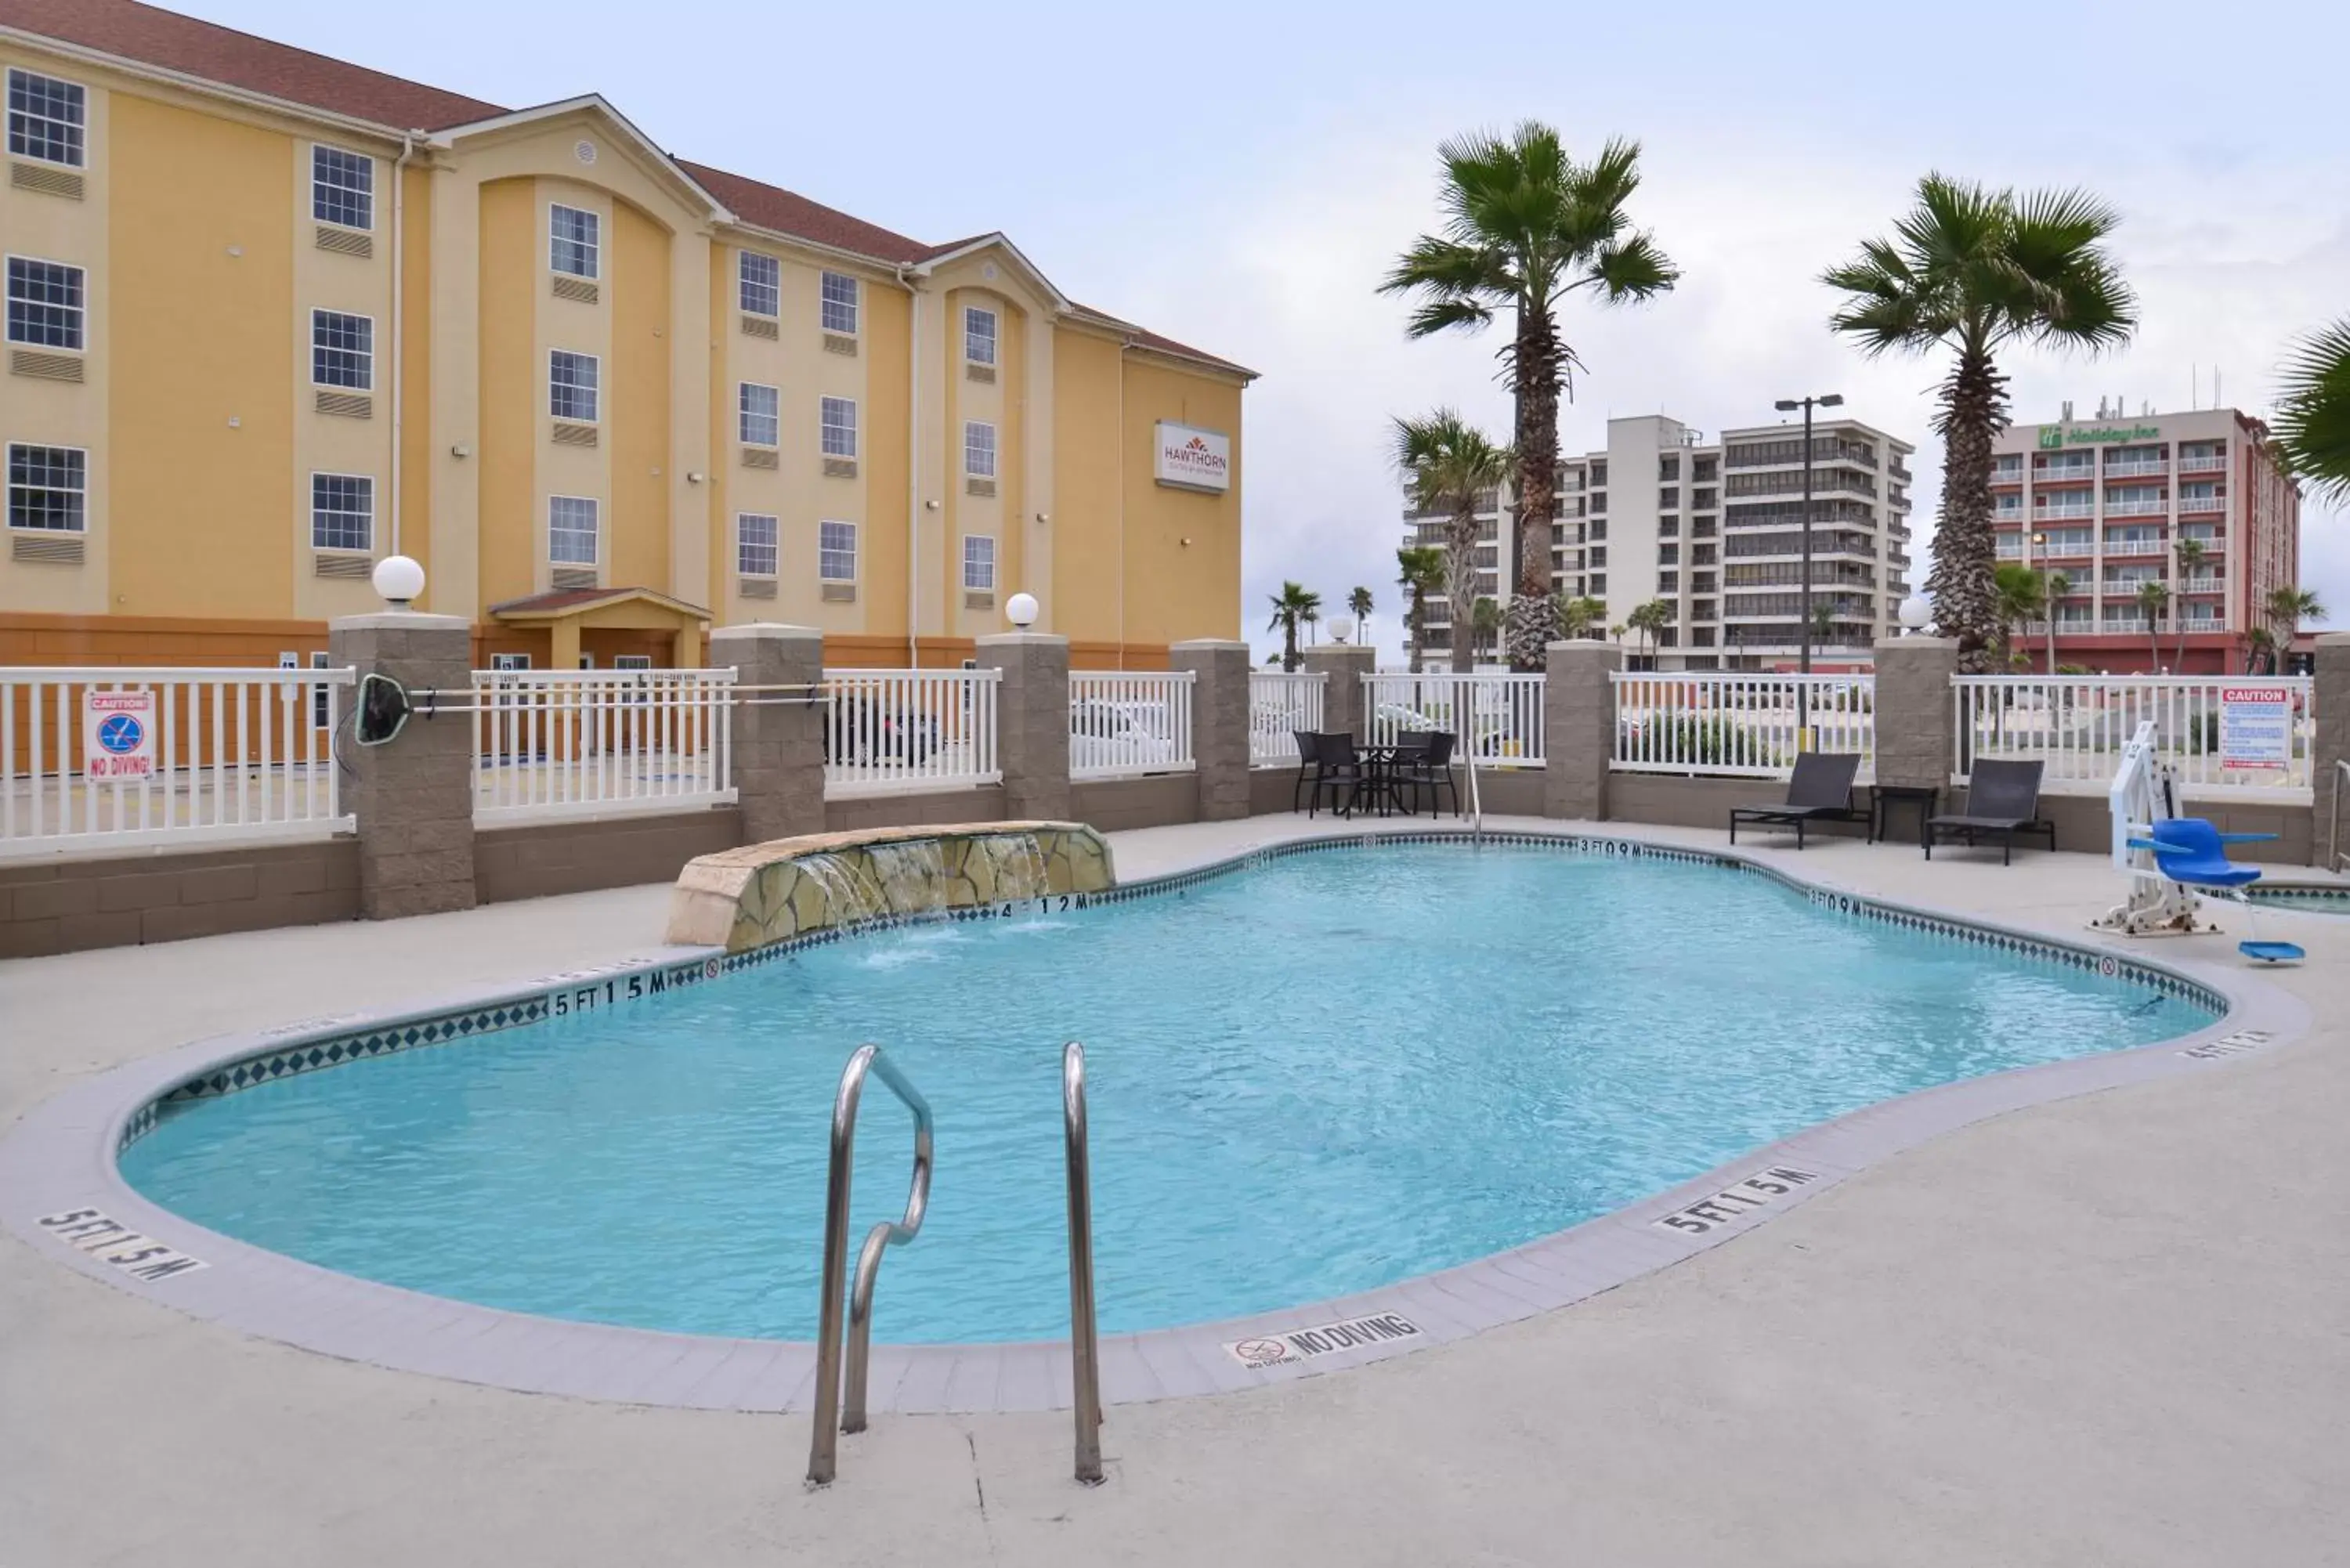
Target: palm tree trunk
column 1461, row 583
column 1289, row 644
column 1416, row 626
column 1966, row 560
column 1537, row 373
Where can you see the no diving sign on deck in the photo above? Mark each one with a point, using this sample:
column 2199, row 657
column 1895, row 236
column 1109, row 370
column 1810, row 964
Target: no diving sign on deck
column 1289, row 1347
column 117, row 735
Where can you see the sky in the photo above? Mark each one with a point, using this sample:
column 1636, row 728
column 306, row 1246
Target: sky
column 1238, row 177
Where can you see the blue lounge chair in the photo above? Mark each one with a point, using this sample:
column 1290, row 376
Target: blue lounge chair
column 2192, row 853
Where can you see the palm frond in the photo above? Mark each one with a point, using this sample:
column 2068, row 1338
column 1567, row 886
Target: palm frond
column 2313, row 422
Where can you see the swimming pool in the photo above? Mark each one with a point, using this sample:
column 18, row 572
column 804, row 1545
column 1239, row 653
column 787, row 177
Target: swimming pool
column 1308, row 1078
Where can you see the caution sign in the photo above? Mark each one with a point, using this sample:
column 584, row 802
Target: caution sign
column 2255, row 726
column 117, row 735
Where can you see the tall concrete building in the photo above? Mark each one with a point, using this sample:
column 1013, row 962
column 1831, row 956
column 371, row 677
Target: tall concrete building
column 2107, row 503
column 1714, row 531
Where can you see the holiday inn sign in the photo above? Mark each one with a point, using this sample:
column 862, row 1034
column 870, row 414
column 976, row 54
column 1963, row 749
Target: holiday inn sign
column 2096, row 435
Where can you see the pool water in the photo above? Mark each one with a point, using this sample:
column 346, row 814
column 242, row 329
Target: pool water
column 1325, row 1074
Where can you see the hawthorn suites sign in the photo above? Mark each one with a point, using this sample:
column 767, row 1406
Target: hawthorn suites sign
column 1192, row 459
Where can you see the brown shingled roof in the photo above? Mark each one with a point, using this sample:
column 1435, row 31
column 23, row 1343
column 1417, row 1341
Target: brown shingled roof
column 770, row 207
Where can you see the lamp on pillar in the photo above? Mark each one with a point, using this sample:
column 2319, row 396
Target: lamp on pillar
column 1020, row 609
column 1915, row 611
column 1342, row 628
column 397, row 580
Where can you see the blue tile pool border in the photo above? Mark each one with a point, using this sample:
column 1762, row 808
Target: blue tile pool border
column 64, row 1192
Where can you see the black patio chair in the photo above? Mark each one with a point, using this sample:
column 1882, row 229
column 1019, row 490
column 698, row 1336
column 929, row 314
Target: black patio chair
column 2002, row 797
column 1431, row 770
column 1820, row 790
column 1309, row 760
column 1338, row 771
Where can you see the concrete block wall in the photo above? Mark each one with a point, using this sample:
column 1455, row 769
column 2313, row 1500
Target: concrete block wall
column 66, row 906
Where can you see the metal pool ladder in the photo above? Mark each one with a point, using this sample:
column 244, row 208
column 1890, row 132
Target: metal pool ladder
column 836, row 1413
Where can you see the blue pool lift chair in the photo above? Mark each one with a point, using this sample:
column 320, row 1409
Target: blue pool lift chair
column 2192, row 853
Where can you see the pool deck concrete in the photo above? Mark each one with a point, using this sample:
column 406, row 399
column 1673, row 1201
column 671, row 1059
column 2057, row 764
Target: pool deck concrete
column 2107, row 1329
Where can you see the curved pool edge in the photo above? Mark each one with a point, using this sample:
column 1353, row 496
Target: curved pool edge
column 60, row 1158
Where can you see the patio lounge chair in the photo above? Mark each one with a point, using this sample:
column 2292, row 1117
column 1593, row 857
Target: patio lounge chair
column 1819, row 791
column 2002, row 797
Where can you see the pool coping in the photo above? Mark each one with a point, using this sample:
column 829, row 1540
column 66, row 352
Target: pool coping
column 60, row 1160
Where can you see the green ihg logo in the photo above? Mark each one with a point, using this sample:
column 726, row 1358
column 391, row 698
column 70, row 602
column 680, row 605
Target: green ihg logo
column 2051, row 436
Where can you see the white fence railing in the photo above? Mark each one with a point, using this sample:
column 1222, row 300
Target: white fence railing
column 550, row 744
column 1744, row 725
column 903, row 731
column 2078, row 724
column 1279, row 706
column 1500, row 715
column 94, row 759
column 1126, row 723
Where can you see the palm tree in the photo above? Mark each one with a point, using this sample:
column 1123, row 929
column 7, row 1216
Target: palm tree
column 2191, row 553
column 1484, row 626
column 2153, row 598
column 1448, row 464
column 2313, row 424
column 1526, row 227
column 2288, row 606
column 1422, row 569
column 1292, row 606
column 1577, row 617
column 1358, row 605
column 2054, row 585
column 2023, row 596
column 1977, row 270
column 1649, row 620
column 2259, row 649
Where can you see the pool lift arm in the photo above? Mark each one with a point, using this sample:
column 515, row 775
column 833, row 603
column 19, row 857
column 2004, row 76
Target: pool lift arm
column 2145, row 792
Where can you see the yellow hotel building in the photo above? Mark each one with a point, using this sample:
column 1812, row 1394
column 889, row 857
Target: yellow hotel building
column 272, row 318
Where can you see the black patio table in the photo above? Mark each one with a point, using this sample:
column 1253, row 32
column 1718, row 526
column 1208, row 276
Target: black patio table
column 1382, row 771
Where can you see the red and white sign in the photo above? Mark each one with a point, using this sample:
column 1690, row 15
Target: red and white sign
column 1193, row 459
column 2255, row 726
column 117, row 735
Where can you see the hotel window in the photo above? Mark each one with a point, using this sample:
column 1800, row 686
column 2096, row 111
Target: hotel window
column 342, row 188
column 978, row 561
column 979, row 449
column 45, row 302
column 47, row 118
column 571, row 386
column 342, row 512
column 48, row 487
column 835, row 552
column 754, row 545
column 840, row 304
column 572, row 240
column 762, row 280
column 979, row 337
column 571, row 530
column 838, row 419
column 761, row 422
column 509, row 661
column 342, row 349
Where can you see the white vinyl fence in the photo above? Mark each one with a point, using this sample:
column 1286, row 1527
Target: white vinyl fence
column 94, row 759
column 899, row 731
column 1500, row 716
column 2078, row 724
column 1742, row 725
column 552, row 743
column 1279, row 706
column 1126, row 723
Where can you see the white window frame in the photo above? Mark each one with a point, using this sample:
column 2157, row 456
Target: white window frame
column 774, row 545
column 79, row 127
column 978, row 450
column 594, row 244
column 773, row 286
column 9, row 489
column 825, row 551
column 80, row 312
column 971, row 316
column 595, row 388
column 509, row 661
column 315, row 542
column 632, row 661
column 366, row 197
column 596, row 526
column 979, row 563
column 836, row 439
column 852, row 307
column 365, row 356
column 743, row 414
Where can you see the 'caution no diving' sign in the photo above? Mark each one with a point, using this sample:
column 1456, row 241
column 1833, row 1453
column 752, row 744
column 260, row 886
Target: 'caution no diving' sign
column 117, row 735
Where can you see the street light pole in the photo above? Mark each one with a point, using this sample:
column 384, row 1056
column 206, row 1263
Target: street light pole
column 1804, row 630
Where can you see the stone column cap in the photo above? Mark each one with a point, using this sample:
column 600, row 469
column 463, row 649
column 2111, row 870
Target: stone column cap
column 1021, row 639
column 2333, row 639
column 1920, row 641
column 764, row 629
column 400, row 620
column 1207, row 644
column 1586, row 647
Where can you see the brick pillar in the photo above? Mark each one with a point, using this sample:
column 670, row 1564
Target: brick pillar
column 413, row 797
column 1219, row 722
column 778, row 739
column 1342, row 665
column 2331, row 744
column 1916, row 710
column 1031, row 722
column 1578, row 728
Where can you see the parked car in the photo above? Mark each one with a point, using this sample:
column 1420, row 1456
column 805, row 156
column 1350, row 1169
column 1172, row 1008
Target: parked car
column 1106, row 735
column 864, row 730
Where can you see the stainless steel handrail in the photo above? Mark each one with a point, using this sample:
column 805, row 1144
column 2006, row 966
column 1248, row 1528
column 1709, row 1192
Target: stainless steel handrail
column 1084, row 1350
column 2341, row 788
column 830, row 1419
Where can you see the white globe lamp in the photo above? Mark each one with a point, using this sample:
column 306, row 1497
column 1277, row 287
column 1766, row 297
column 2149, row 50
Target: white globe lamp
column 1915, row 611
column 1342, row 628
column 398, row 579
column 1020, row 609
